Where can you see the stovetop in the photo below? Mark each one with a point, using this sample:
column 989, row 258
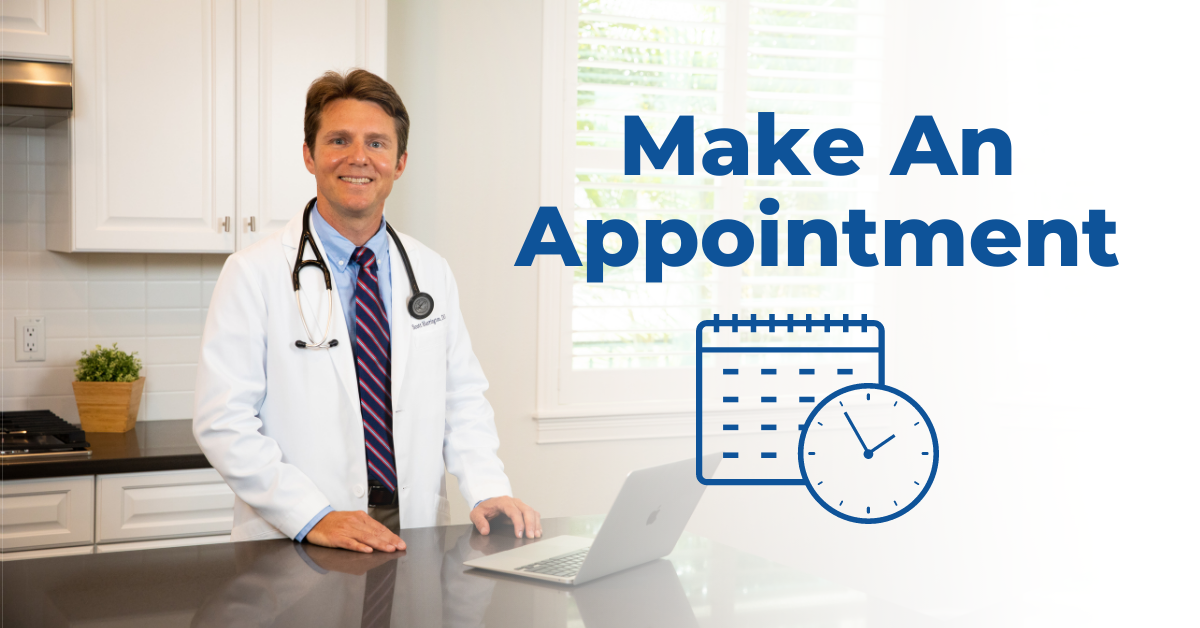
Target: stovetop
column 39, row 432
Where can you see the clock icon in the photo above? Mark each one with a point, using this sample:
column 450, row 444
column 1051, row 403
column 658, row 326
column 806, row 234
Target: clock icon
column 869, row 453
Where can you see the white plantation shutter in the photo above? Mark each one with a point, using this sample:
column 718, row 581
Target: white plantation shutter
column 627, row 346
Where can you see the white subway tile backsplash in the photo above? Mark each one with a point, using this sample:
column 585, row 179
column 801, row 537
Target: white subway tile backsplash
column 186, row 322
column 14, row 236
column 37, row 237
column 15, row 404
column 6, row 330
column 170, row 378
column 212, row 265
column 206, row 293
column 14, row 145
column 152, row 304
column 116, row 295
column 51, row 266
column 14, row 176
column 173, row 294
column 66, row 323
column 117, row 323
column 36, row 382
column 14, row 207
column 62, row 405
column 169, row 405
column 185, row 350
column 14, row 295
column 36, row 146
column 65, row 351
column 116, row 266
column 160, row 267
column 36, row 206
column 58, row 295
column 14, row 265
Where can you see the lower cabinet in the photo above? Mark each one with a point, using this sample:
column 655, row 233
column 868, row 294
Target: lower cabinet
column 46, row 513
column 159, row 505
column 113, row 513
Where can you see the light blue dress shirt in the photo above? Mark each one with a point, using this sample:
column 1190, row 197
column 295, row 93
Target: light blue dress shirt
column 344, row 272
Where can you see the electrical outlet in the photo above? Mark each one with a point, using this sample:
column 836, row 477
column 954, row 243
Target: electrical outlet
column 31, row 339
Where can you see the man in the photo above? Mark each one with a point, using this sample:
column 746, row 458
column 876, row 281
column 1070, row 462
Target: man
column 344, row 443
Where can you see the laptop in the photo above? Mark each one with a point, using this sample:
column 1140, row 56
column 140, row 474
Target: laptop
column 644, row 523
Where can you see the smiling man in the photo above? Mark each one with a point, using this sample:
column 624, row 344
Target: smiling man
column 344, row 438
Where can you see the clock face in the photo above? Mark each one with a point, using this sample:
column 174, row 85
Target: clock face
column 869, row 453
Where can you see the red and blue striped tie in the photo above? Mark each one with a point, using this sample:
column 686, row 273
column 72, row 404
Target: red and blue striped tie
column 372, row 357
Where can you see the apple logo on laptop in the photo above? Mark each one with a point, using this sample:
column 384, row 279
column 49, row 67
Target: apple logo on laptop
column 653, row 516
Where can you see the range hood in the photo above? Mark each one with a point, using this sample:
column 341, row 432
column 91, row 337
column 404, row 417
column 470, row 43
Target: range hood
column 34, row 94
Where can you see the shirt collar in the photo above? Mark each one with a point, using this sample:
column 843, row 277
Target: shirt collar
column 339, row 249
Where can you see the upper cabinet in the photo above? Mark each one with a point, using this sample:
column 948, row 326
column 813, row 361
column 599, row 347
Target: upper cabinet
column 189, row 115
column 284, row 46
column 35, row 29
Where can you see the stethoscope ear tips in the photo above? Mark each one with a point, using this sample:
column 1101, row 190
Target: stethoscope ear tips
column 420, row 306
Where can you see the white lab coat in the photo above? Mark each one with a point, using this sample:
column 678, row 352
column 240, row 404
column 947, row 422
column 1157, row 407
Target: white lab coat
column 283, row 425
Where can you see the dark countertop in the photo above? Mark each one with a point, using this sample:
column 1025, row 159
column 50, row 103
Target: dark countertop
column 282, row 583
column 149, row 446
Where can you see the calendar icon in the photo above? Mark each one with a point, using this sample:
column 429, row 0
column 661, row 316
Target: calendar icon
column 757, row 380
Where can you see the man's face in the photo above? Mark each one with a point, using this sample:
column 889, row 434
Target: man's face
column 354, row 157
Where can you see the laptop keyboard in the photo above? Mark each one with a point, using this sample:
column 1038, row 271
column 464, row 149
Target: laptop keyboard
column 562, row 566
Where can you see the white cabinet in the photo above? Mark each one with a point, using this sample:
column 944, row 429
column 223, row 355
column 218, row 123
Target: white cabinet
column 188, row 120
column 44, row 513
column 153, row 128
column 164, row 504
column 280, row 54
column 39, row 30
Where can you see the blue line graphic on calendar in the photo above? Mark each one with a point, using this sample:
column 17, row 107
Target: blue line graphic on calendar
column 803, row 402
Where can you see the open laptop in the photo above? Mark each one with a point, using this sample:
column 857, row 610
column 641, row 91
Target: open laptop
column 643, row 524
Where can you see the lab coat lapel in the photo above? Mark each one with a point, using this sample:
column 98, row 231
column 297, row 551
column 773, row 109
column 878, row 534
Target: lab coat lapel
column 401, row 324
column 313, row 300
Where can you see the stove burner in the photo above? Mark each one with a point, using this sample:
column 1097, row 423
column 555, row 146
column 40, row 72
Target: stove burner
column 38, row 432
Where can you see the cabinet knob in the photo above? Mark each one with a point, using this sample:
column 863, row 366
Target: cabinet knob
column 224, row 226
column 251, row 223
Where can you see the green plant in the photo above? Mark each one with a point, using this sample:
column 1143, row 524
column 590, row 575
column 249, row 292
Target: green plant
column 108, row 365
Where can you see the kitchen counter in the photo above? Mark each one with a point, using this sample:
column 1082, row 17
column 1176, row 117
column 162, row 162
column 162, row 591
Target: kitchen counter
column 283, row 583
column 149, row 446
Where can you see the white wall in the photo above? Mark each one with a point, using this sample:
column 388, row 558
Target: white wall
column 152, row 304
column 1061, row 395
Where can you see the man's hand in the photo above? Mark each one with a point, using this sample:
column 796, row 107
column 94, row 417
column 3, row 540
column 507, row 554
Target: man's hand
column 354, row 530
column 526, row 521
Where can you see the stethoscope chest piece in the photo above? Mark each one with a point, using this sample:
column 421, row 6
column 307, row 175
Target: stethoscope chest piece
column 420, row 305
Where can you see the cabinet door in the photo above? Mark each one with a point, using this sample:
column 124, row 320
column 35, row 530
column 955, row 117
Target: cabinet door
column 282, row 48
column 50, row 512
column 136, row 506
column 153, row 127
column 35, row 29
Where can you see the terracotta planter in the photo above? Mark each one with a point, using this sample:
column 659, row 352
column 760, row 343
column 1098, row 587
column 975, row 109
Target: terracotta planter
column 108, row 406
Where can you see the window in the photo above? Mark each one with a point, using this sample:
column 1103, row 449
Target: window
column 626, row 347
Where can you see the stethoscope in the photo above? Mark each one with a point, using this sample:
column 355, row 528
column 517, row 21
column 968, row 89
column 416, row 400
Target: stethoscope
column 420, row 304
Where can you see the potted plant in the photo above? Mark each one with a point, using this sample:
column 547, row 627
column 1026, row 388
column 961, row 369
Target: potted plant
column 108, row 390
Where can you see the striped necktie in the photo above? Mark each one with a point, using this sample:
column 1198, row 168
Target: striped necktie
column 372, row 357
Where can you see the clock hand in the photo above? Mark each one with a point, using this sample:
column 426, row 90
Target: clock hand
column 885, row 441
column 856, row 434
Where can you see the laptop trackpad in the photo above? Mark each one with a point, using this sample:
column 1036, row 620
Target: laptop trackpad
column 531, row 553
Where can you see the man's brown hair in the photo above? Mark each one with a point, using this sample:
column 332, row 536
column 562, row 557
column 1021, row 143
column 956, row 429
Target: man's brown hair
column 358, row 85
